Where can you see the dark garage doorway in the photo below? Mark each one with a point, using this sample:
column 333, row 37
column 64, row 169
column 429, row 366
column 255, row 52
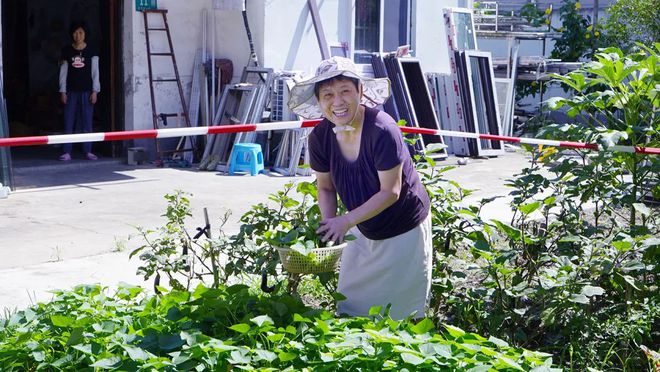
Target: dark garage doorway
column 33, row 34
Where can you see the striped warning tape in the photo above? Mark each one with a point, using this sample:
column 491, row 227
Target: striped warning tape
column 200, row 131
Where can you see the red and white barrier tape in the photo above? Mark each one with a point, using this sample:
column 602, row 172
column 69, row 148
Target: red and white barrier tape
column 199, row 131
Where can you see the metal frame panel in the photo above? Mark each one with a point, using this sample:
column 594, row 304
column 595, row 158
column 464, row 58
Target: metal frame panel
column 452, row 32
column 422, row 104
column 458, row 121
column 491, row 114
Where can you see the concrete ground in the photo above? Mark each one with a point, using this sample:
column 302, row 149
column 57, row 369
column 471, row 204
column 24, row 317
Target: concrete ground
column 74, row 223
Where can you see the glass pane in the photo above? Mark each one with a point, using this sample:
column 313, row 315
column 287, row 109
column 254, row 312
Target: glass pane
column 396, row 25
column 464, row 31
column 479, row 101
column 367, row 29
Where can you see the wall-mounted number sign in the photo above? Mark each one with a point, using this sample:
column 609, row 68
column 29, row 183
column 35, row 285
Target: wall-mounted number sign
column 141, row 5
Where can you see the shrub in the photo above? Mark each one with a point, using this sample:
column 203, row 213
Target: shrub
column 574, row 272
column 630, row 22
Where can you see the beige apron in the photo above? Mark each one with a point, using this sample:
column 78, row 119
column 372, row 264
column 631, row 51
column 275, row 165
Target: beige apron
column 394, row 271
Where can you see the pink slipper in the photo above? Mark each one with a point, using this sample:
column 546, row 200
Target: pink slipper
column 65, row 157
column 91, row 156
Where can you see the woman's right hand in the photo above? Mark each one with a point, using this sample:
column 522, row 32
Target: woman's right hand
column 334, row 229
column 63, row 98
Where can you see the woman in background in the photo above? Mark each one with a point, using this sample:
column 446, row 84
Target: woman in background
column 79, row 86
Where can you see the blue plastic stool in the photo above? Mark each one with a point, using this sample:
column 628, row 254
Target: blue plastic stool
column 246, row 157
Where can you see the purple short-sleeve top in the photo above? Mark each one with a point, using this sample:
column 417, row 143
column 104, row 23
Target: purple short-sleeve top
column 381, row 148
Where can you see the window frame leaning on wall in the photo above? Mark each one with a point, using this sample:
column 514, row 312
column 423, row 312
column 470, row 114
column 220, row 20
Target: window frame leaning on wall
column 385, row 40
column 489, row 121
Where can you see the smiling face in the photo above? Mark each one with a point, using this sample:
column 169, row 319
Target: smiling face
column 339, row 100
column 78, row 35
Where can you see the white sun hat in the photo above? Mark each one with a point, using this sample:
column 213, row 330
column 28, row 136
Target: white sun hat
column 302, row 100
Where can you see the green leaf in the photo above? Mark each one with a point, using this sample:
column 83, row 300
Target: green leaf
column 266, row 355
column 579, row 298
column 261, row 320
column 590, row 291
column 510, row 363
column 241, row 327
column 75, row 337
column 412, row 359
column 64, row 361
column 630, row 280
column 327, row 357
column 322, row 326
column 570, row 239
column 108, row 363
column 275, row 337
column 435, row 147
column 642, row 209
column 454, row 331
column 38, row 356
column 61, row 320
column 169, row 342
column 497, row 341
column 555, row 103
column 136, row 353
column 650, row 242
column 633, row 265
column 85, row 348
column 481, row 368
column 338, row 296
column 283, row 356
column 423, row 326
column 297, row 318
column 510, row 231
column 528, row 208
column 375, row 310
column 239, row 356
column 280, row 308
column 521, row 311
column 622, row 245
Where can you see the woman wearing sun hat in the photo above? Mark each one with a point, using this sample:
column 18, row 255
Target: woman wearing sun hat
column 358, row 153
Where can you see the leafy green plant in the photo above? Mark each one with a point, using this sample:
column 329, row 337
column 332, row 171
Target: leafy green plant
column 573, row 272
column 535, row 16
column 556, row 276
column 616, row 96
column 173, row 252
column 228, row 328
column 630, row 22
column 578, row 35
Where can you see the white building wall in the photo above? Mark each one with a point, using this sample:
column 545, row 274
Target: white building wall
column 290, row 41
column 185, row 23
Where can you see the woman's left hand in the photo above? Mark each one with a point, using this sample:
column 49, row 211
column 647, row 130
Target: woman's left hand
column 92, row 98
column 334, row 229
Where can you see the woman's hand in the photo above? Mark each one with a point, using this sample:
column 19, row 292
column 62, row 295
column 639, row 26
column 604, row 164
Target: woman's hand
column 63, row 98
column 92, row 98
column 334, row 229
